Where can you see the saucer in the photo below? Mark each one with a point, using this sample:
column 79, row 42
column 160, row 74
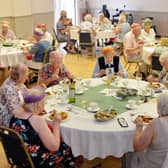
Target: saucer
column 63, row 101
column 131, row 107
column 79, row 92
column 93, row 110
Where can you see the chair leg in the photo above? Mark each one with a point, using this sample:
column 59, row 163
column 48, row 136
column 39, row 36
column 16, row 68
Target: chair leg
column 123, row 161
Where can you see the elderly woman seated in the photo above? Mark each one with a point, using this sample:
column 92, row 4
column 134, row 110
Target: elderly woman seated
column 147, row 33
column 102, row 20
column 163, row 75
column 44, row 143
column 152, row 139
column 9, row 92
column 87, row 25
column 47, row 34
column 54, row 71
column 123, row 27
column 40, row 47
column 108, row 62
column 63, row 32
column 6, row 33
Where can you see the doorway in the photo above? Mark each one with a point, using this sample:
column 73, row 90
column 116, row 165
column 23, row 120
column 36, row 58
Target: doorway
column 70, row 6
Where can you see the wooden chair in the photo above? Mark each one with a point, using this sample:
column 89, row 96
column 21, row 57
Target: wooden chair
column 129, row 63
column 34, row 67
column 155, row 64
column 85, row 41
column 15, row 149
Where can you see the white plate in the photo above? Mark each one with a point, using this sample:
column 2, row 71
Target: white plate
column 131, row 107
column 49, row 120
column 79, row 92
column 140, row 93
column 104, row 78
column 135, row 116
column 93, row 110
column 118, row 98
column 66, row 101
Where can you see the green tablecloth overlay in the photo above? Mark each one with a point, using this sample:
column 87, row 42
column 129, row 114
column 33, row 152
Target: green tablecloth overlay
column 93, row 95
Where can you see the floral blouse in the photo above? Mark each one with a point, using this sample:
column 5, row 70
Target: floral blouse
column 41, row 156
column 163, row 76
column 47, row 71
column 9, row 100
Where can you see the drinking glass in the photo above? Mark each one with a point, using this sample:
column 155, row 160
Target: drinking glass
column 138, row 76
column 84, row 104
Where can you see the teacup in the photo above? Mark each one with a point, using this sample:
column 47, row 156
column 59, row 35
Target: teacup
column 87, row 82
column 93, row 105
column 131, row 103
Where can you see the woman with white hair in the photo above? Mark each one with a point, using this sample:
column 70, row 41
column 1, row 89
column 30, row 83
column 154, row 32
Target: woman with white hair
column 102, row 20
column 147, row 33
column 163, row 76
column 6, row 33
column 87, row 25
column 54, row 71
column 153, row 139
column 9, row 92
column 40, row 46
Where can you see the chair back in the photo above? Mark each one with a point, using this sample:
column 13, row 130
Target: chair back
column 156, row 63
column 54, row 32
column 15, row 148
column 85, row 39
column 46, row 55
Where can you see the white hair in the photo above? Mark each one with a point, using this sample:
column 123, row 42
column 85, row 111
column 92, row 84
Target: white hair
column 88, row 17
column 163, row 57
column 162, row 102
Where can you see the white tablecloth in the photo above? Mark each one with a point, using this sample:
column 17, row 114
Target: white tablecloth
column 11, row 56
column 92, row 139
column 104, row 34
column 147, row 53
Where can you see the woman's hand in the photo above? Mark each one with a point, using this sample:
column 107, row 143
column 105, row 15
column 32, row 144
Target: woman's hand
column 55, row 77
column 57, row 120
column 152, row 78
column 102, row 72
column 139, row 121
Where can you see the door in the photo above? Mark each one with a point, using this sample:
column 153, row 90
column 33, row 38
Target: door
column 70, row 6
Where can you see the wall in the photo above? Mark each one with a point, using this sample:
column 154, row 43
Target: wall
column 140, row 9
column 23, row 15
column 8, row 8
column 142, row 5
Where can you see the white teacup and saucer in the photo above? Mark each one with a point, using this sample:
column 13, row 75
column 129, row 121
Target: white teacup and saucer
column 131, row 104
column 93, row 107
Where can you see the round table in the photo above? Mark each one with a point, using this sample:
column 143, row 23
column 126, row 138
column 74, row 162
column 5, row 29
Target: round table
column 91, row 138
column 11, row 56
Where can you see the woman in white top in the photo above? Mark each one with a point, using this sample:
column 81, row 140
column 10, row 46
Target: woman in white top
column 153, row 140
column 102, row 20
column 147, row 33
